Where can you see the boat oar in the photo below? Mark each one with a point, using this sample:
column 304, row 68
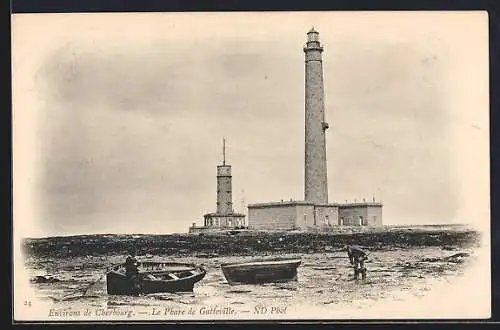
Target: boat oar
column 84, row 290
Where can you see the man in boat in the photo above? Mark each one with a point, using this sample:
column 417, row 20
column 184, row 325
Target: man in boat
column 357, row 257
column 132, row 272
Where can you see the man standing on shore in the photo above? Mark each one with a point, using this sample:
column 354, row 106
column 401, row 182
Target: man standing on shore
column 357, row 257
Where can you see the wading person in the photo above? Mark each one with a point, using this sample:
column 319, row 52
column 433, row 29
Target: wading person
column 132, row 273
column 357, row 257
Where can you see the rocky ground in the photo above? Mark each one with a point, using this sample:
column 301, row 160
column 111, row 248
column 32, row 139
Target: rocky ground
column 404, row 264
column 251, row 243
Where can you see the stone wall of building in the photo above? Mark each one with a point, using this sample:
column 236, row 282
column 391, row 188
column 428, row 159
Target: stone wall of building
column 326, row 215
column 304, row 216
column 291, row 215
column 352, row 216
column 272, row 217
column 374, row 215
column 360, row 214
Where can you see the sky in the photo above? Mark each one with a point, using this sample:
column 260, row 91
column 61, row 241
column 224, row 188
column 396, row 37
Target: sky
column 119, row 118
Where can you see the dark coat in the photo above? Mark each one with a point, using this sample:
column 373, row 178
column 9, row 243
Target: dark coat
column 131, row 265
column 355, row 253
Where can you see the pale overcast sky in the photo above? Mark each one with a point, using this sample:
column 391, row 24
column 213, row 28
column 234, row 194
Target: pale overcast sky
column 118, row 118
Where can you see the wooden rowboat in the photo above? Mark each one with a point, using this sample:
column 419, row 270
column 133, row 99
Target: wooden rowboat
column 259, row 271
column 155, row 277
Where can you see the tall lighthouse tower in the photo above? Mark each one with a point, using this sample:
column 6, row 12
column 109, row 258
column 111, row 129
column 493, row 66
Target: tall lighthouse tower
column 316, row 182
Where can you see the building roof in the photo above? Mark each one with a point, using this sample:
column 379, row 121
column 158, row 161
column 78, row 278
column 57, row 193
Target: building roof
column 361, row 204
column 232, row 215
column 292, row 203
column 288, row 203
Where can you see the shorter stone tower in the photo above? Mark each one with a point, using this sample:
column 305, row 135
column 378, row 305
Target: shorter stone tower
column 224, row 217
column 224, row 185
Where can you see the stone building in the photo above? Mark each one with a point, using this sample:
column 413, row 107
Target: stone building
column 315, row 210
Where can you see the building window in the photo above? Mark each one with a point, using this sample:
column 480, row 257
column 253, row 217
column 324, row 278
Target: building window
column 341, row 221
column 327, row 221
column 305, row 220
column 360, row 220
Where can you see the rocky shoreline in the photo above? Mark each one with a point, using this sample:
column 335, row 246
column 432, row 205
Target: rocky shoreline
column 247, row 243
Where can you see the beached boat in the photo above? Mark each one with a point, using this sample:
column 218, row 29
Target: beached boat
column 155, row 277
column 259, row 271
